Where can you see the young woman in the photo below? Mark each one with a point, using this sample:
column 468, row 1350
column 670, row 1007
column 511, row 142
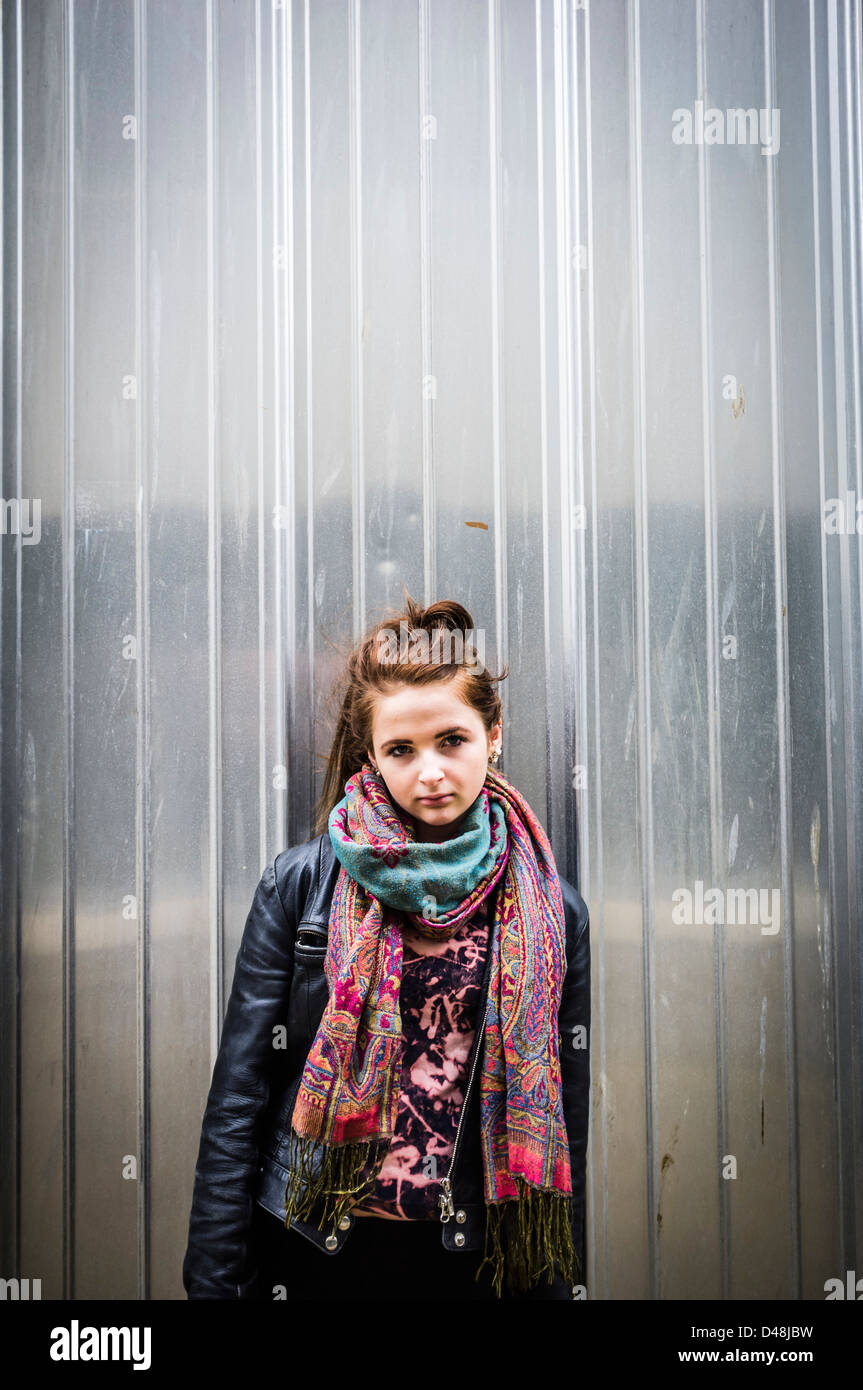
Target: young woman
column 399, row 1107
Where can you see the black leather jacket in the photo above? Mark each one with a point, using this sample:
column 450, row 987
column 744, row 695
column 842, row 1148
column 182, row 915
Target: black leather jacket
column 277, row 1000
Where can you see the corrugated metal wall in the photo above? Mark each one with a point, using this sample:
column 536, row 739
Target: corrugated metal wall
column 305, row 301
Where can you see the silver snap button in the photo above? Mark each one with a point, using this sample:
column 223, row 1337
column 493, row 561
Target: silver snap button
column 459, row 1238
column 461, row 1216
column 345, row 1223
column 331, row 1242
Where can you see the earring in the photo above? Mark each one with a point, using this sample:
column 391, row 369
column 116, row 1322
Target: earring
column 495, row 755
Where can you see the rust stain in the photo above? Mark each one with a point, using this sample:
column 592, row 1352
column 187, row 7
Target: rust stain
column 667, row 1162
column 738, row 406
column 482, row 525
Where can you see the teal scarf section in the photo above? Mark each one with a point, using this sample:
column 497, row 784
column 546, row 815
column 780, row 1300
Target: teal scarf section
column 380, row 852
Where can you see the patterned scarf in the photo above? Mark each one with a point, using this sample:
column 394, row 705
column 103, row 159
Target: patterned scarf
column 346, row 1107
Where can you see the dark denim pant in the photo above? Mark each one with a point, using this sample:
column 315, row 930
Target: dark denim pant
column 381, row 1259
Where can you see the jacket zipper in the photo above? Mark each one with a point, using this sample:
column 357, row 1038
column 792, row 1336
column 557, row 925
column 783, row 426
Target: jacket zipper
column 308, row 929
column 445, row 1201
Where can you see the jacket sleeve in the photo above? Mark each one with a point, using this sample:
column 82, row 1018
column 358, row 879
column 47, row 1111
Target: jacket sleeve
column 217, row 1263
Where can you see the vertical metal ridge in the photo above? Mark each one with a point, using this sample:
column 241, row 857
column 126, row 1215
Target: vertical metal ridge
column 496, row 297
column 856, row 136
column 842, row 448
column 563, row 207
column 263, row 780
column 214, row 549
column 845, row 1065
column 853, row 63
column 19, row 597
column 583, row 802
column 142, row 620
column 282, row 490
column 825, row 587
column 280, row 519
column 310, row 508
column 854, row 175
column 546, row 483
column 783, row 722
column 426, row 320
column 543, row 329
column 355, row 177
column 576, row 739
column 586, row 823
column 285, row 598
column 4, row 892
column 714, row 742
column 854, row 189
column 283, row 511
column 5, row 993
column 292, row 832
column 642, row 627
column 19, row 576
column 68, row 600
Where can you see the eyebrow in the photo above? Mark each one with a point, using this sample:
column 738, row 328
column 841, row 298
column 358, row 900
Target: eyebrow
column 456, row 729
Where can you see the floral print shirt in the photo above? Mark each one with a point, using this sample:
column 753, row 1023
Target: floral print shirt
column 440, row 1008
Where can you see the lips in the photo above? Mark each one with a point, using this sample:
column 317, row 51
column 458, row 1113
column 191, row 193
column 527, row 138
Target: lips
column 436, row 800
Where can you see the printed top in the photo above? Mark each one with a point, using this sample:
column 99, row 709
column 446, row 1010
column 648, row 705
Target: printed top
column 440, row 1008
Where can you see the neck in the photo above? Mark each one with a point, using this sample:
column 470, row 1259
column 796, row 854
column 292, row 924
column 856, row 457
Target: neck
column 435, row 834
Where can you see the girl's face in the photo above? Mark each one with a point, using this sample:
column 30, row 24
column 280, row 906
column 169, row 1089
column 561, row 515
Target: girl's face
column 427, row 742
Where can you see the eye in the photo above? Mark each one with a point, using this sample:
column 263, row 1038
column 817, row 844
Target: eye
column 459, row 738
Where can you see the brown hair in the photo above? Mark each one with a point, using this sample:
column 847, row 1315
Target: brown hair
column 368, row 675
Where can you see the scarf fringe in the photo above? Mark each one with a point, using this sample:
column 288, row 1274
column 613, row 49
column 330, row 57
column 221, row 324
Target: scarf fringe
column 529, row 1235
column 341, row 1180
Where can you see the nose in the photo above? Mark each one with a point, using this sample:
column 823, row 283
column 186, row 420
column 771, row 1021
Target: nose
column 431, row 774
